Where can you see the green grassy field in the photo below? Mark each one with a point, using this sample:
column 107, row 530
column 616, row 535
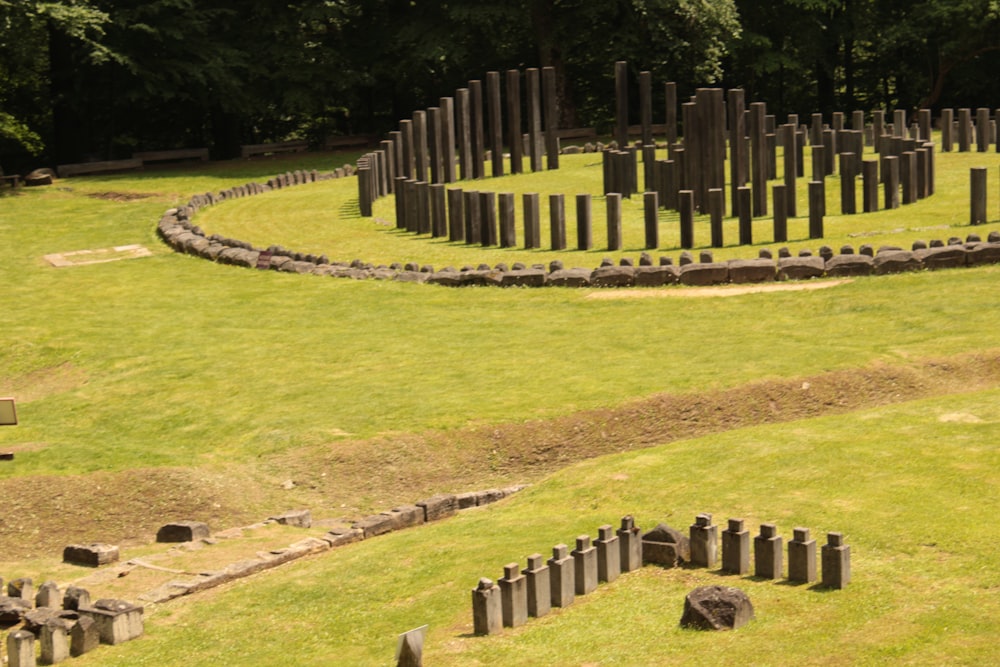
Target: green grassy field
column 171, row 362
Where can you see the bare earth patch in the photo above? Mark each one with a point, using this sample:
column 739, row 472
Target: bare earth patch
column 97, row 255
column 720, row 291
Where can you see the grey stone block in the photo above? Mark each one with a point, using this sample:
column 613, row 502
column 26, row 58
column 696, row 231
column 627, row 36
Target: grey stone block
column 439, row 506
column 183, row 531
column 704, row 274
column 562, row 577
column 801, row 557
column 117, row 620
column 513, row 596
column 487, row 610
column 849, row 265
column 613, row 276
column 895, row 261
column 539, row 586
column 297, row 518
column 752, row 270
column 801, row 268
column 92, row 555
column 575, row 277
column 84, row 637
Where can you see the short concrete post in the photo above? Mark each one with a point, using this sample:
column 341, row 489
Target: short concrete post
column 629, row 545
column 562, row 577
column 836, row 561
column 716, row 201
column 704, row 536
column 780, row 214
column 801, row 557
column 848, row 201
column 54, row 643
column 608, row 555
column 767, row 552
column 21, row 649
column 532, row 220
column 651, row 211
column 488, row 219
column 736, row 548
column 817, row 204
column 513, row 596
column 508, row 221
column 487, row 611
column 584, row 234
column 439, row 210
column 685, row 201
column 869, row 186
column 539, row 593
column 456, row 209
column 557, row 221
column 585, row 559
column 613, row 202
column 977, row 208
column 891, row 179
column 744, row 209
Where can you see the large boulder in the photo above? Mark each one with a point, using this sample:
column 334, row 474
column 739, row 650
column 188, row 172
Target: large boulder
column 716, row 608
column 613, row 276
column 12, row 610
column 575, row 277
column 896, row 261
column 39, row 177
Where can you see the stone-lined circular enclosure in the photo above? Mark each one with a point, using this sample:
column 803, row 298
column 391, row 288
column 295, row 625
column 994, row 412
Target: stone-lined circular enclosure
column 177, row 229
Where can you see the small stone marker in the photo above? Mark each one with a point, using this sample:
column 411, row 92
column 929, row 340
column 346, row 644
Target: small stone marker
column 704, row 541
column 608, row 555
column 629, row 545
column 49, row 595
column 562, row 577
column 513, row 596
column 183, row 531
column 539, row 585
column 8, row 412
column 736, row 548
column 22, row 588
column 410, row 648
column 767, row 552
column 801, row 557
column 264, row 260
column 54, row 643
column 21, row 649
column 836, row 561
column 75, row 597
column 585, row 558
column 84, row 636
column 487, row 612
column 716, row 608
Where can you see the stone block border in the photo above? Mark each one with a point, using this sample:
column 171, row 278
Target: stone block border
column 177, row 229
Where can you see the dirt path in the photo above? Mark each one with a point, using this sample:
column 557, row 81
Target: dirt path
column 349, row 479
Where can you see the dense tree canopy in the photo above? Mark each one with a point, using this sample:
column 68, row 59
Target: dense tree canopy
column 97, row 79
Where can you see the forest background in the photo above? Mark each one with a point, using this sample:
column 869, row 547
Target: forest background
column 98, row 79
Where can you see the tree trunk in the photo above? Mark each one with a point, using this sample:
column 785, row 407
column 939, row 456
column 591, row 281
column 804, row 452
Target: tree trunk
column 543, row 13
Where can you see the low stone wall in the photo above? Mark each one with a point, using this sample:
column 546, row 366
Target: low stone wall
column 177, row 229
